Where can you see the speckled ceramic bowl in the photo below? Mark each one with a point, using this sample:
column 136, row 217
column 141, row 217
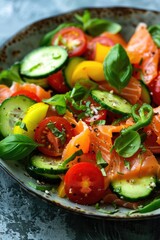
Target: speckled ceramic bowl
column 27, row 39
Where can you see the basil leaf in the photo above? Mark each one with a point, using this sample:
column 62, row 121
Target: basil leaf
column 117, row 67
column 59, row 102
column 16, row 147
column 155, row 33
column 11, row 75
column 100, row 160
column 96, row 26
column 126, row 145
column 84, row 18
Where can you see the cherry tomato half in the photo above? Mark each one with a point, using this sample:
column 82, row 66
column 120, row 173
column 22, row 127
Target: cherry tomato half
column 84, row 183
column 155, row 89
column 72, row 39
column 54, row 133
column 56, row 81
column 27, row 93
column 91, row 46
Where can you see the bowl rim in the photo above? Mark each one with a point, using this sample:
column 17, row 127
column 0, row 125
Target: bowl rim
column 23, row 185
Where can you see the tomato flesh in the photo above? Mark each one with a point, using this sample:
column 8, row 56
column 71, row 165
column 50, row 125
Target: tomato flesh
column 56, row 81
column 72, row 39
column 53, row 144
column 27, row 93
column 84, row 183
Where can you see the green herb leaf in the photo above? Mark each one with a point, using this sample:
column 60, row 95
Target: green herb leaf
column 117, row 67
column 57, row 133
column 16, row 147
column 96, row 26
column 126, row 145
column 72, row 157
column 155, row 33
column 22, row 125
column 153, row 205
column 127, row 164
column 100, row 160
column 59, row 102
column 11, row 75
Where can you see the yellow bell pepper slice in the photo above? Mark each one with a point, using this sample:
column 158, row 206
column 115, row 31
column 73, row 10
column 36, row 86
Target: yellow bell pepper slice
column 101, row 52
column 35, row 114
column 61, row 190
column 88, row 70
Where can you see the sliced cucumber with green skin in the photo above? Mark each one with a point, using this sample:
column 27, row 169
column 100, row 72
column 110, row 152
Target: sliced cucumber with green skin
column 42, row 176
column 42, row 82
column 68, row 70
column 134, row 189
column 43, row 61
column 13, row 110
column 42, row 164
column 145, row 94
column 112, row 102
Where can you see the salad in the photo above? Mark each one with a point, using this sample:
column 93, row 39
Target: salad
column 82, row 112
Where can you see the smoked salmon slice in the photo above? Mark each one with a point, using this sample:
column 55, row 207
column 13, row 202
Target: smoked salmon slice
column 143, row 51
column 39, row 91
column 5, row 92
column 132, row 92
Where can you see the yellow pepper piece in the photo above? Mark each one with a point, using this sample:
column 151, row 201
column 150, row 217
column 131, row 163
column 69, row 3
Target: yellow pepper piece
column 61, row 190
column 101, row 52
column 88, row 70
column 35, row 114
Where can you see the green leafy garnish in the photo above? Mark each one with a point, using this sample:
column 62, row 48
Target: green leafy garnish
column 75, row 97
column 127, row 164
column 16, row 147
column 117, row 67
column 155, row 33
column 22, row 125
column 152, row 206
column 96, row 26
column 57, row 133
column 129, row 140
column 100, row 160
column 127, row 144
column 11, row 75
column 59, row 102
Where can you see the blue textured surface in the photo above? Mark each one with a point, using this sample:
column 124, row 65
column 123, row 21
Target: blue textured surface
column 24, row 217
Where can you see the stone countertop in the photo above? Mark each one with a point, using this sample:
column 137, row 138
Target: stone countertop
column 25, row 217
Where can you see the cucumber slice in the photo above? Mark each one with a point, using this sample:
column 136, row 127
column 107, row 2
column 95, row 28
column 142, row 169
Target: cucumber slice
column 13, row 110
column 68, row 70
column 43, row 61
column 145, row 94
column 112, row 102
column 42, row 164
column 134, row 189
column 43, row 176
column 42, row 82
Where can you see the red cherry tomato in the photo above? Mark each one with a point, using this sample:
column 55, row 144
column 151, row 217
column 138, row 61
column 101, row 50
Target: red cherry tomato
column 27, row 93
column 72, row 39
column 91, row 46
column 54, row 133
column 56, row 81
column 155, row 90
column 84, row 183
